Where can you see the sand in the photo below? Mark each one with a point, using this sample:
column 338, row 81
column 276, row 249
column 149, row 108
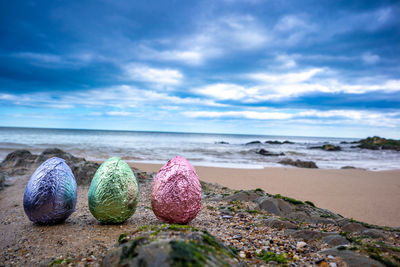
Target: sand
column 368, row 196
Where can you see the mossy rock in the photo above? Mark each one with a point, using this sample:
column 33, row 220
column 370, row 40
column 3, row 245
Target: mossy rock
column 172, row 245
column 377, row 142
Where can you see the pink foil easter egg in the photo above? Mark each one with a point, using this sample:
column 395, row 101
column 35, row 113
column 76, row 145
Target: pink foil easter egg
column 176, row 192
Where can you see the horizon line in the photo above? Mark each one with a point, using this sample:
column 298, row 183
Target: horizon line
column 171, row 132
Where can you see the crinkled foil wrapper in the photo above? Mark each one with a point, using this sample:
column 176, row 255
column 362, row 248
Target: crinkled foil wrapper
column 113, row 193
column 176, row 192
column 51, row 193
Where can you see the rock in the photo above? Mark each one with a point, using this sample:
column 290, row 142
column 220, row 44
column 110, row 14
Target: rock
column 327, row 147
column 373, row 233
column 83, row 170
column 278, row 142
column 275, row 206
column 377, row 142
column 20, row 161
column 300, row 246
column 173, row 245
column 306, row 235
column 345, row 143
column 299, row 163
column 2, row 180
column 335, row 240
column 221, row 143
column 248, row 195
column 353, row 227
column 17, row 162
column 348, row 167
column 253, row 143
column 351, row 258
column 278, row 224
column 264, row 152
column 342, row 222
column 274, row 142
column 288, row 142
column 18, row 158
column 295, row 210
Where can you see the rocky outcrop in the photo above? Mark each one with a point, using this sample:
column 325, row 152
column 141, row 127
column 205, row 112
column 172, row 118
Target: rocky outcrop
column 2, row 180
column 351, row 258
column 376, row 143
column 299, row 163
column 253, row 143
column 264, row 152
column 295, row 210
column 17, row 162
column 172, row 245
column 221, row 143
column 20, row 162
column 279, row 224
column 245, row 195
column 278, row 142
column 327, row 147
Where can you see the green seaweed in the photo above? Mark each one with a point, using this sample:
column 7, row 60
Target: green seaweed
column 129, row 251
column 258, row 190
column 123, row 238
column 310, row 203
column 268, row 256
column 61, row 261
column 289, row 199
column 253, row 211
column 186, row 254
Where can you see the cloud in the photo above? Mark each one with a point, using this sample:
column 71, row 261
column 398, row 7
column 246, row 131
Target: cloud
column 143, row 73
column 286, row 61
column 287, row 78
column 119, row 113
column 307, row 116
column 212, row 39
column 224, row 91
column 238, row 114
column 369, row 58
column 190, row 57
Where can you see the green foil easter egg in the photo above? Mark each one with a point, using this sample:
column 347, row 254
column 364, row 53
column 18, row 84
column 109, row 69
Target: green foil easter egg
column 114, row 192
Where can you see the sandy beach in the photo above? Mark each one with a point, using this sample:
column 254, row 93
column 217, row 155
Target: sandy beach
column 369, row 196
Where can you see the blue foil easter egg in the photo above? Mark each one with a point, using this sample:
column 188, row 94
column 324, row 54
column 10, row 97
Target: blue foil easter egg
column 50, row 195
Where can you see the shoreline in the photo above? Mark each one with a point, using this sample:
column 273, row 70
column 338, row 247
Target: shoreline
column 368, row 196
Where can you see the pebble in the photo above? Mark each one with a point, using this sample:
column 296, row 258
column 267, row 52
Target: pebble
column 301, row 245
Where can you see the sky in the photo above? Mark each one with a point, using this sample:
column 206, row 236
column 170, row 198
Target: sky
column 300, row 68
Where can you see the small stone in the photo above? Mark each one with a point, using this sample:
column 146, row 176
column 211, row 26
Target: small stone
column 353, row 227
column 242, row 254
column 332, row 264
column 301, row 245
column 296, row 257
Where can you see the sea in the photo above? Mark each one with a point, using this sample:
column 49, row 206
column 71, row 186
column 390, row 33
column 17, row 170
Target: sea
column 202, row 149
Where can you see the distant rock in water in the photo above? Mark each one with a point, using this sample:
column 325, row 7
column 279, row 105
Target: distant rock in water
column 278, row 142
column 346, row 143
column 327, row 147
column 264, row 152
column 348, row 167
column 253, row 143
column 299, row 163
column 221, row 143
column 376, row 143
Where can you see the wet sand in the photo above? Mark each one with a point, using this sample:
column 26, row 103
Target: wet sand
column 368, row 196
